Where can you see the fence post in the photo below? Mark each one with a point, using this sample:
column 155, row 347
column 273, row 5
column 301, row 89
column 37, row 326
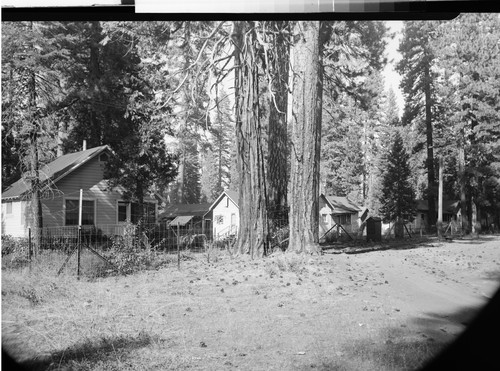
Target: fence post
column 78, row 251
column 178, row 248
column 29, row 244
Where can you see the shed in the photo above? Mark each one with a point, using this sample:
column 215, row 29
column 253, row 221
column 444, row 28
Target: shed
column 374, row 229
column 187, row 216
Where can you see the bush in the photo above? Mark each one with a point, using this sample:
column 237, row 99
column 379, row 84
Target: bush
column 15, row 250
column 129, row 253
column 285, row 262
column 279, row 238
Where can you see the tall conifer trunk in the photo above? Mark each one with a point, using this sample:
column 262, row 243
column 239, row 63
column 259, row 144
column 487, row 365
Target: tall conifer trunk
column 305, row 138
column 463, row 191
column 253, row 229
column 431, row 178
column 34, row 164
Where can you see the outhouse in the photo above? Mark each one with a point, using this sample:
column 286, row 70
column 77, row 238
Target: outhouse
column 374, row 229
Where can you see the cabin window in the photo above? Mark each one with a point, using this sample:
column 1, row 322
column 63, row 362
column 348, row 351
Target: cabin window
column 344, row 219
column 233, row 219
column 227, row 201
column 219, row 219
column 122, row 211
column 8, row 208
column 103, row 157
column 88, row 212
column 325, row 220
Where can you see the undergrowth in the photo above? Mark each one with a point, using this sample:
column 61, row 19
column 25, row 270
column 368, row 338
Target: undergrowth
column 285, row 262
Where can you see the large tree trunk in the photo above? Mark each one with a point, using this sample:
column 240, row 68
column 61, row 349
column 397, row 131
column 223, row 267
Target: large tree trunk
column 34, row 171
column 277, row 162
column 36, row 203
column 431, row 181
column 463, row 195
column 180, row 176
column 399, row 228
column 440, row 198
column 305, row 138
column 253, row 230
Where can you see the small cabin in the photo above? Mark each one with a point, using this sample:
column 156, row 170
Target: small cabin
column 451, row 212
column 224, row 215
column 336, row 210
column 103, row 207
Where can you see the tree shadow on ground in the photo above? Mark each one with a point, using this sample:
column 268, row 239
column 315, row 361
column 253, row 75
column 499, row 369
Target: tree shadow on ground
column 475, row 348
column 491, row 275
column 436, row 341
column 90, row 352
column 361, row 246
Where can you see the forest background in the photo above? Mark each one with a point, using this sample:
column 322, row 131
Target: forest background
column 192, row 108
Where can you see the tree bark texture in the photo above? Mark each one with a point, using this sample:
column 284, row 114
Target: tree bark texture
column 253, row 229
column 440, row 198
column 305, row 135
column 431, row 178
column 34, row 166
column 463, row 188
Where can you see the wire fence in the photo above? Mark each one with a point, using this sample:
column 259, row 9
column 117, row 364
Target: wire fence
column 158, row 236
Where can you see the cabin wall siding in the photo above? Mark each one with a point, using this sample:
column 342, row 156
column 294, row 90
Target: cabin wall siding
column 225, row 211
column 15, row 223
column 324, row 209
column 85, row 177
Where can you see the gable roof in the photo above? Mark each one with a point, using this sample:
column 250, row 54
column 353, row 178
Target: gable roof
column 55, row 171
column 232, row 195
column 175, row 210
column 342, row 205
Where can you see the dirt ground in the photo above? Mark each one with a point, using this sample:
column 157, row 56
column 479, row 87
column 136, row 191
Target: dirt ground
column 388, row 310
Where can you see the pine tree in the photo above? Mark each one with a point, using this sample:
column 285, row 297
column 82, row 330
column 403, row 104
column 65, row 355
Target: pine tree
column 305, row 131
column 398, row 196
column 351, row 107
column 418, row 87
column 217, row 153
column 253, row 229
column 33, row 56
column 468, row 56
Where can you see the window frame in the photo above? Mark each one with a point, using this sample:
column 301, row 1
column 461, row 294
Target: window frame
column 127, row 211
column 341, row 217
column 219, row 219
column 85, row 199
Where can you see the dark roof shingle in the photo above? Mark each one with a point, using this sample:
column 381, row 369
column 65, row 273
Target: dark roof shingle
column 174, row 210
column 54, row 171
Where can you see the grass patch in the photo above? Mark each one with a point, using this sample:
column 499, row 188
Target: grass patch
column 283, row 312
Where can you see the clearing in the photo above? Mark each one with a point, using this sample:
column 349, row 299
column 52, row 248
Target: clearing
column 387, row 310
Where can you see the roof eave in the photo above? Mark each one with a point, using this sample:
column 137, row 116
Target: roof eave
column 82, row 163
column 217, row 200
